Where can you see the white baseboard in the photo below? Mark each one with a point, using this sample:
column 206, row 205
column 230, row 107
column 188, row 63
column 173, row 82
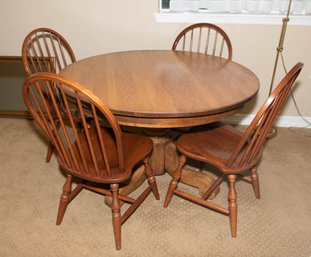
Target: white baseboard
column 282, row 121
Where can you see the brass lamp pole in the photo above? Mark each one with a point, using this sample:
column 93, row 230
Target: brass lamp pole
column 272, row 132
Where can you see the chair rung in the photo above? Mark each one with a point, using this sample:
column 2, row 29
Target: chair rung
column 247, row 179
column 202, row 202
column 76, row 191
column 137, row 202
column 108, row 193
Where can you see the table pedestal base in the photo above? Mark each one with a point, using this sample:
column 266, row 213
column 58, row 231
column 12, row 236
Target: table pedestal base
column 158, row 158
column 165, row 158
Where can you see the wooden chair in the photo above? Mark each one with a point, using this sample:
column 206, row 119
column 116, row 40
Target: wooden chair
column 231, row 151
column 46, row 50
column 96, row 156
column 204, row 38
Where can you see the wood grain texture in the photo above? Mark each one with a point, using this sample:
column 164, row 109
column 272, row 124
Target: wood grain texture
column 159, row 88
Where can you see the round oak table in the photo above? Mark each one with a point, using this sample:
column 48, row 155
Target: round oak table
column 163, row 89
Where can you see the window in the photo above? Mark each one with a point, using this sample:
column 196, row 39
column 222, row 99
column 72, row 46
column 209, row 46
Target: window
column 234, row 11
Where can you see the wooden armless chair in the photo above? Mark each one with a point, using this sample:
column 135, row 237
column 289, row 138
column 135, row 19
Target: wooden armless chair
column 46, row 50
column 204, row 38
column 95, row 155
column 231, row 151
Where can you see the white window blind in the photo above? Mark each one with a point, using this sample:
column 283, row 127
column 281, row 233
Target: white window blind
column 298, row 7
column 234, row 11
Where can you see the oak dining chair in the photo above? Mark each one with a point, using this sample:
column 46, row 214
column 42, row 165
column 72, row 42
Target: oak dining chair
column 232, row 152
column 45, row 49
column 98, row 158
column 204, row 38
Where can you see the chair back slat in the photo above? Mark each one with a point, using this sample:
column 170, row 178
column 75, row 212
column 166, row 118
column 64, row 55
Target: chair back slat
column 101, row 141
column 57, row 66
column 61, row 49
column 46, row 118
column 204, row 38
column 207, row 41
column 215, row 45
column 251, row 145
column 43, row 44
column 91, row 151
column 36, row 63
column 75, row 134
column 199, row 40
column 221, row 50
column 45, row 50
column 87, row 133
column 183, row 42
column 191, row 41
column 62, row 130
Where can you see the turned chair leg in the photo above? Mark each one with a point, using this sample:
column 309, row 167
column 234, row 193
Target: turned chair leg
column 151, row 179
column 116, row 215
column 232, row 196
column 175, row 180
column 64, row 200
column 49, row 152
column 255, row 182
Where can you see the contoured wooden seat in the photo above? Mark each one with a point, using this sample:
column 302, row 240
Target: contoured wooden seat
column 232, row 152
column 93, row 153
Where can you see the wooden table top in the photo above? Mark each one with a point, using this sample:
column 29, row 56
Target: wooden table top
column 165, row 89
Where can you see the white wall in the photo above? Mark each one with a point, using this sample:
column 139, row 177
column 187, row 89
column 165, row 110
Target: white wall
column 99, row 26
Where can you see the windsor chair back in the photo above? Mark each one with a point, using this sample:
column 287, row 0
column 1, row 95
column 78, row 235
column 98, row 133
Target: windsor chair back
column 46, row 50
column 204, row 38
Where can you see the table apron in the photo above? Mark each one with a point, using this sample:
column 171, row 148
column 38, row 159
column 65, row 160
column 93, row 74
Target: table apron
column 179, row 122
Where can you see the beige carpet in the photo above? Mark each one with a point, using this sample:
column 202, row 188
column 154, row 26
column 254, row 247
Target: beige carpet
column 277, row 225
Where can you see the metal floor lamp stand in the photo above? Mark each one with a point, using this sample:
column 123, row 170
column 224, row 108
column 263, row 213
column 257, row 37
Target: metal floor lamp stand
column 272, row 133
